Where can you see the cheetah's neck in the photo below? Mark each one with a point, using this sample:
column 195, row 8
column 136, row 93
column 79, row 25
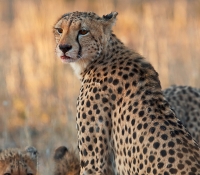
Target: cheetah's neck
column 79, row 67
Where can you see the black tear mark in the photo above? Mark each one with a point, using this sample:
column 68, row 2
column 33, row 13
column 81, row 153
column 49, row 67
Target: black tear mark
column 70, row 22
column 80, row 48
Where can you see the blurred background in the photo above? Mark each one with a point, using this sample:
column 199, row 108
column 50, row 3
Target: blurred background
column 38, row 93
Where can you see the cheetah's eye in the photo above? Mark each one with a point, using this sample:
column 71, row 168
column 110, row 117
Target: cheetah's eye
column 7, row 174
column 83, row 32
column 29, row 174
column 59, row 30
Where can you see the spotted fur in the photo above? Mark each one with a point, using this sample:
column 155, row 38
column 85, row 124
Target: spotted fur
column 15, row 161
column 66, row 162
column 185, row 101
column 121, row 110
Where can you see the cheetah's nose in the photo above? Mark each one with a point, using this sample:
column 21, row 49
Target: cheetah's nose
column 65, row 47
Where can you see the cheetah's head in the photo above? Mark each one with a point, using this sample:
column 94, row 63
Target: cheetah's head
column 66, row 162
column 82, row 36
column 15, row 161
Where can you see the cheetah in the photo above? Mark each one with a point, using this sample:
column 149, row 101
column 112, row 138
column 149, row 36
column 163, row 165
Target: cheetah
column 185, row 101
column 121, row 110
column 66, row 162
column 15, row 161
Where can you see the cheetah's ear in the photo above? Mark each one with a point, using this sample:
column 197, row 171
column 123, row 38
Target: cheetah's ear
column 60, row 152
column 108, row 21
column 32, row 152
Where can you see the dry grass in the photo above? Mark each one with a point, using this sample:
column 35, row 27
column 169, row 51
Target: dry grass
column 38, row 93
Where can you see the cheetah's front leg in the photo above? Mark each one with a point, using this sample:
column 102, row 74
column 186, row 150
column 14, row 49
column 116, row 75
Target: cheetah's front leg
column 94, row 129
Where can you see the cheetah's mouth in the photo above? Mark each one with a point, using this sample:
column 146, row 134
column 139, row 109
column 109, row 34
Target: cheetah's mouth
column 66, row 59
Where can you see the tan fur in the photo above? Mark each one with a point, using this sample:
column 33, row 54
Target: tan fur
column 15, row 161
column 122, row 115
column 185, row 101
column 66, row 162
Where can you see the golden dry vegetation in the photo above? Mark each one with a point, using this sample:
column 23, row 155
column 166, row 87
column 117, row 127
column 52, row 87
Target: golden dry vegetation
column 38, row 93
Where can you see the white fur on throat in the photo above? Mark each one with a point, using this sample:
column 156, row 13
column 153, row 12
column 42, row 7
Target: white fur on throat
column 79, row 67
